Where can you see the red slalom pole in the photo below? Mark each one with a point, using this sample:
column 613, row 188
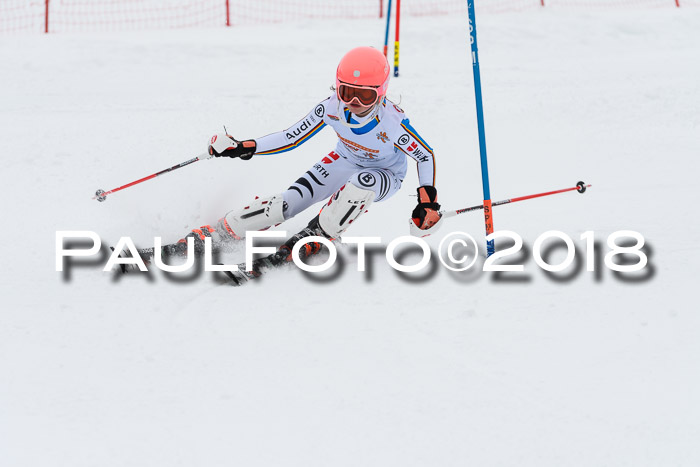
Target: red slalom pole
column 580, row 187
column 101, row 195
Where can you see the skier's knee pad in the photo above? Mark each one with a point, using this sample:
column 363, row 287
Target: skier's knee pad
column 259, row 215
column 346, row 205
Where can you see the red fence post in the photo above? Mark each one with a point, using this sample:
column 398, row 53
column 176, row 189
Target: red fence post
column 46, row 17
column 678, row 4
column 228, row 14
column 381, row 8
column 542, row 2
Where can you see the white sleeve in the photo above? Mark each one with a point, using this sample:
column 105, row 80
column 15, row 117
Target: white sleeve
column 294, row 136
column 410, row 142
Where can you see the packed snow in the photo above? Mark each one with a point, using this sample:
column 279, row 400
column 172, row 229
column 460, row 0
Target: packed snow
column 359, row 368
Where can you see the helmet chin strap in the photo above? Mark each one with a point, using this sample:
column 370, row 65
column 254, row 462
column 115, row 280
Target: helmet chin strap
column 360, row 124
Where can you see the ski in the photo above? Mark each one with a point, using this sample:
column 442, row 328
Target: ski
column 259, row 267
column 281, row 257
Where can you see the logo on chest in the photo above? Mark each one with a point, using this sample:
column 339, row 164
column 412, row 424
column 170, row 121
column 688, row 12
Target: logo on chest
column 382, row 136
column 358, row 148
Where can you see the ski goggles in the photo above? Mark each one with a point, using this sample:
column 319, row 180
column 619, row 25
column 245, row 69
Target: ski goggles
column 366, row 95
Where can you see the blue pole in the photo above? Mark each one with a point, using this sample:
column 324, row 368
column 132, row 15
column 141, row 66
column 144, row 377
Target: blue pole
column 488, row 214
column 386, row 36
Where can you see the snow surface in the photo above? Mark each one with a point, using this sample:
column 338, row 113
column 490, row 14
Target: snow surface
column 447, row 370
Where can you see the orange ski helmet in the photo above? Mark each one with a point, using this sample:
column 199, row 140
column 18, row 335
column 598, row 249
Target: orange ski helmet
column 362, row 75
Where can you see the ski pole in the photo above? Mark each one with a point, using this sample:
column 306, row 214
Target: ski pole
column 101, row 195
column 580, row 187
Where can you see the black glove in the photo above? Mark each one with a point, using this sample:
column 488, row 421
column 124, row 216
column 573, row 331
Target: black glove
column 426, row 214
column 223, row 145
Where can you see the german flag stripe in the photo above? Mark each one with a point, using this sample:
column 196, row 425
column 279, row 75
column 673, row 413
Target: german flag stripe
column 399, row 147
column 299, row 142
column 406, row 126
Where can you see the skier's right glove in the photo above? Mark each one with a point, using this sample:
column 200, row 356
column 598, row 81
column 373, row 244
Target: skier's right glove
column 223, row 145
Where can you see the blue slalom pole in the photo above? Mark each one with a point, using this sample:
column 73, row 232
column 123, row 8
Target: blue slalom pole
column 488, row 213
column 386, row 36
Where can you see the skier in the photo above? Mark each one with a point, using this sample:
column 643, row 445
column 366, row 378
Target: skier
column 367, row 165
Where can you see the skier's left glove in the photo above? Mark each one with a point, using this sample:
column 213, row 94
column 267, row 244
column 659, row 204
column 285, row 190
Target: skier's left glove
column 426, row 214
column 223, row 145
